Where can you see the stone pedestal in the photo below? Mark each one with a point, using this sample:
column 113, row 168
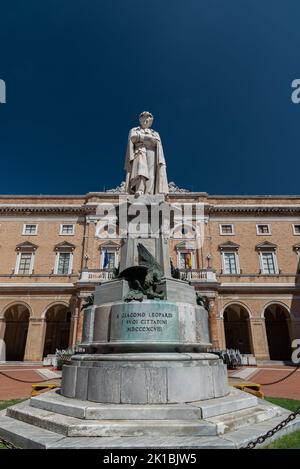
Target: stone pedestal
column 151, row 325
column 145, row 216
column 145, row 378
column 159, row 248
column 145, row 353
column 149, row 351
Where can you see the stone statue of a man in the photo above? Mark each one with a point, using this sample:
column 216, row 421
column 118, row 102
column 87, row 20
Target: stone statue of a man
column 145, row 162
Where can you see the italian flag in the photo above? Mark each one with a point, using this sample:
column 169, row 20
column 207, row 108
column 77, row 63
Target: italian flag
column 189, row 260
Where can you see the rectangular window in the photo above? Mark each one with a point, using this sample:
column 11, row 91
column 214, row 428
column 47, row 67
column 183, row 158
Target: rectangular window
column 66, row 229
column 268, row 263
column 296, row 229
column 30, row 229
column 226, row 230
column 230, row 263
column 109, row 260
column 63, row 266
column 25, row 264
column 263, row 229
column 185, row 260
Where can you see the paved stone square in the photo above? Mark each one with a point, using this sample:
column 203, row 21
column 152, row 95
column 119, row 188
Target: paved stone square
column 289, row 388
column 11, row 389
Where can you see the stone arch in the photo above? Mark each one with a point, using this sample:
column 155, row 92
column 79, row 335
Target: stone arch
column 54, row 303
column 232, row 302
column 13, row 303
column 273, row 302
column 277, row 322
column 236, row 317
column 57, row 317
column 16, row 317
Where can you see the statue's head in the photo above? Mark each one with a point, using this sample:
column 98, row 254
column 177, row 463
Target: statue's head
column 146, row 119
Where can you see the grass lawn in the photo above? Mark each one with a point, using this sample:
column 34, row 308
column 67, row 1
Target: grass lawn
column 291, row 441
column 3, row 405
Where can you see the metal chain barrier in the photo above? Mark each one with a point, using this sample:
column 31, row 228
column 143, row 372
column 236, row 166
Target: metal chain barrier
column 5, row 443
column 23, row 381
column 261, row 439
column 281, row 379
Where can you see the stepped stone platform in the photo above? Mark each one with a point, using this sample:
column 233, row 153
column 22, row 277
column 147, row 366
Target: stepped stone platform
column 51, row 420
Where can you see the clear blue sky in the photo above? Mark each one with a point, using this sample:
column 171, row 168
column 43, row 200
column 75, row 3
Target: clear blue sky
column 216, row 74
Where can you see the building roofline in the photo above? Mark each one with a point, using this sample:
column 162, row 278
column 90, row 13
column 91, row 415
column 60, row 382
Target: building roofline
column 252, row 196
column 40, row 196
column 171, row 194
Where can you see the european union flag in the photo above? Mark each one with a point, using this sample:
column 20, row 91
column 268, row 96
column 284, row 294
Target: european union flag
column 106, row 260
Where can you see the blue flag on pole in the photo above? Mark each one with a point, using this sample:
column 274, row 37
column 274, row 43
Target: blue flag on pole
column 106, row 260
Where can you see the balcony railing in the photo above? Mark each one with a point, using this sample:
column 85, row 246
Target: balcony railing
column 202, row 275
column 96, row 275
column 100, row 275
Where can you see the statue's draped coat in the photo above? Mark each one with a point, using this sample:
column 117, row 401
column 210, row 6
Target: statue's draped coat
column 136, row 162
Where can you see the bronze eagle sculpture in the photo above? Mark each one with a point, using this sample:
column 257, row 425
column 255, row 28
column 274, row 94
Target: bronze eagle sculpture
column 143, row 279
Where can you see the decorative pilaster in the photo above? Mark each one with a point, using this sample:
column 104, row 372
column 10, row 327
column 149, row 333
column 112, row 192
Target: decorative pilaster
column 79, row 323
column 35, row 339
column 258, row 338
column 2, row 328
column 213, row 322
column 74, row 326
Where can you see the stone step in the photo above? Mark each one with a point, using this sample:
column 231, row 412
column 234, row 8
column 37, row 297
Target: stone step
column 71, row 426
column 26, row 436
column 236, row 400
column 52, row 401
column 232, row 421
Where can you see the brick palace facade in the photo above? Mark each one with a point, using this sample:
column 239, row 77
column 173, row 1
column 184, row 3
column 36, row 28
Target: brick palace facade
column 52, row 256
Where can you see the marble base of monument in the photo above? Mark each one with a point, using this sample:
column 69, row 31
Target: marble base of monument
column 145, row 378
column 151, row 325
column 117, row 289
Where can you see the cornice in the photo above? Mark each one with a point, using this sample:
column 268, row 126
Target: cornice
column 252, row 287
column 265, row 245
column 35, row 286
column 5, row 209
column 26, row 245
column 254, row 209
column 92, row 199
column 64, row 245
column 86, row 210
column 228, row 245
